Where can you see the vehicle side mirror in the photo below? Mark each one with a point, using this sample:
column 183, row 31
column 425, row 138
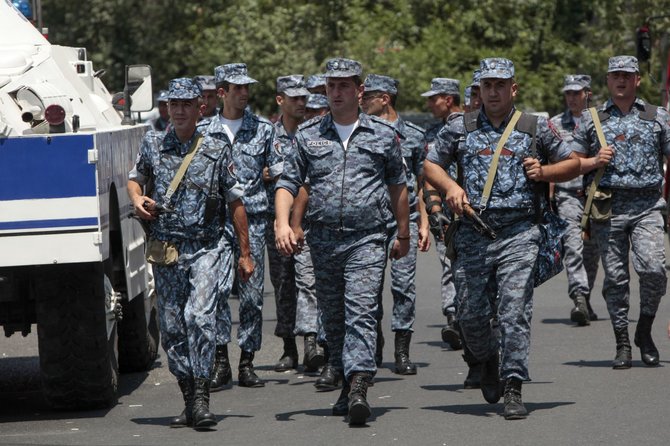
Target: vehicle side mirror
column 138, row 81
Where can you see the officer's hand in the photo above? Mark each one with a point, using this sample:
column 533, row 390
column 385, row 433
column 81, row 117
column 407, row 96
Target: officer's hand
column 145, row 207
column 424, row 240
column 604, row 156
column 400, row 249
column 533, row 169
column 438, row 224
column 456, row 198
column 245, row 268
column 285, row 240
column 299, row 235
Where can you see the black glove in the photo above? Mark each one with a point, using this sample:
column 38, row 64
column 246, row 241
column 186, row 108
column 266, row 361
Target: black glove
column 438, row 223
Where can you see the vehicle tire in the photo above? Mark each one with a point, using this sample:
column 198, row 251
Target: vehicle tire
column 77, row 356
column 138, row 338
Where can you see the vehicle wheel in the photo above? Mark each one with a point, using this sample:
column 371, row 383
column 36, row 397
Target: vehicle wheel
column 77, row 354
column 138, row 338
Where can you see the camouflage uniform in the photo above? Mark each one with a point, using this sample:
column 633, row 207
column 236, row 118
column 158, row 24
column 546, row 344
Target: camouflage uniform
column 188, row 290
column 634, row 175
column 581, row 256
column 441, row 85
column 252, row 150
column 403, row 270
column 347, row 214
column 502, row 269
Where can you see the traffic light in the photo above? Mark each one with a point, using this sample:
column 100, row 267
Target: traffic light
column 643, row 41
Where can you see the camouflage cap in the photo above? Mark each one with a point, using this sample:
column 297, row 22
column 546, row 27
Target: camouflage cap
column 378, row 82
column 623, row 63
column 317, row 101
column 183, row 88
column 341, row 67
column 467, row 94
column 443, row 85
column 293, row 85
column 235, row 73
column 576, row 82
column 162, row 96
column 316, row 80
column 475, row 78
column 205, row 82
column 496, row 68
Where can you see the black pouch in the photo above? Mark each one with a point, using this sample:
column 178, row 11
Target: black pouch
column 449, row 235
column 211, row 205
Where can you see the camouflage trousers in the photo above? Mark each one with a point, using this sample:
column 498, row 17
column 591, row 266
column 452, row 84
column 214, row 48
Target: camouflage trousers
column 250, row 293
column 403, row 286
column 348, row 269
column 282, row 276
column 581, row 256
column 636, row 226
column 188, row 296
column 223, row 317
column 448, row 289
column 307, row 315
column 502, row 269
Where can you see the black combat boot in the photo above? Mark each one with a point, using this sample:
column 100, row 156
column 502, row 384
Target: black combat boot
column 341, row 406
column 222, row 374
column 313, row 357
column 592, row 315
column 450, row 333
column 580, row 313
column 623, row 358
column 643, row 340
column 490, row 382
column 185, row 419
column 330, row 378
column 474, row 378
column 246, row 375
column 359, row 409
column 202, row 418
column 379, row 351
column 514, row 408
column 403, row 366
column 289, row 358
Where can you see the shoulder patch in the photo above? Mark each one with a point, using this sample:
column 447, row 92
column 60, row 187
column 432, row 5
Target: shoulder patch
column 414, row 126
column 310, row 122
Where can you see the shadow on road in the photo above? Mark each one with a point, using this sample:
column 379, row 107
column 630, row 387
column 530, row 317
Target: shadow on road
column 489, row 410
column 22, row 399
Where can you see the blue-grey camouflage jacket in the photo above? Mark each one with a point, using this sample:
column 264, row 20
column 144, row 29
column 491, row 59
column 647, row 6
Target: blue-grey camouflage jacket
column 474, row 151
column 348, row 188
column 413, row 148
column 211, row 173
column 639, row 145
column 252, row 150
column 566, row 124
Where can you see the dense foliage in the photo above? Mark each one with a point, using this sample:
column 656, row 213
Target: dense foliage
column 412, row 40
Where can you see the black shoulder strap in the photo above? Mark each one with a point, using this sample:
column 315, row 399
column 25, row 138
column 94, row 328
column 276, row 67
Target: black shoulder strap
column 648, row 113
column 471, row 121
column 603, row 115
column 528, row 124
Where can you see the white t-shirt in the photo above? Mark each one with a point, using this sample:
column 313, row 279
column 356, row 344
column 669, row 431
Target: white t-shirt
column 231, row 126
column 345, row 132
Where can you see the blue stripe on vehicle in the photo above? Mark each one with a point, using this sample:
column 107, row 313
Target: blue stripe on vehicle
column 42, row 224
column 46, row 167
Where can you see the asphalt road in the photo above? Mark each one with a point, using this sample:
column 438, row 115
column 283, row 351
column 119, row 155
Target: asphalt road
column 574, row 398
